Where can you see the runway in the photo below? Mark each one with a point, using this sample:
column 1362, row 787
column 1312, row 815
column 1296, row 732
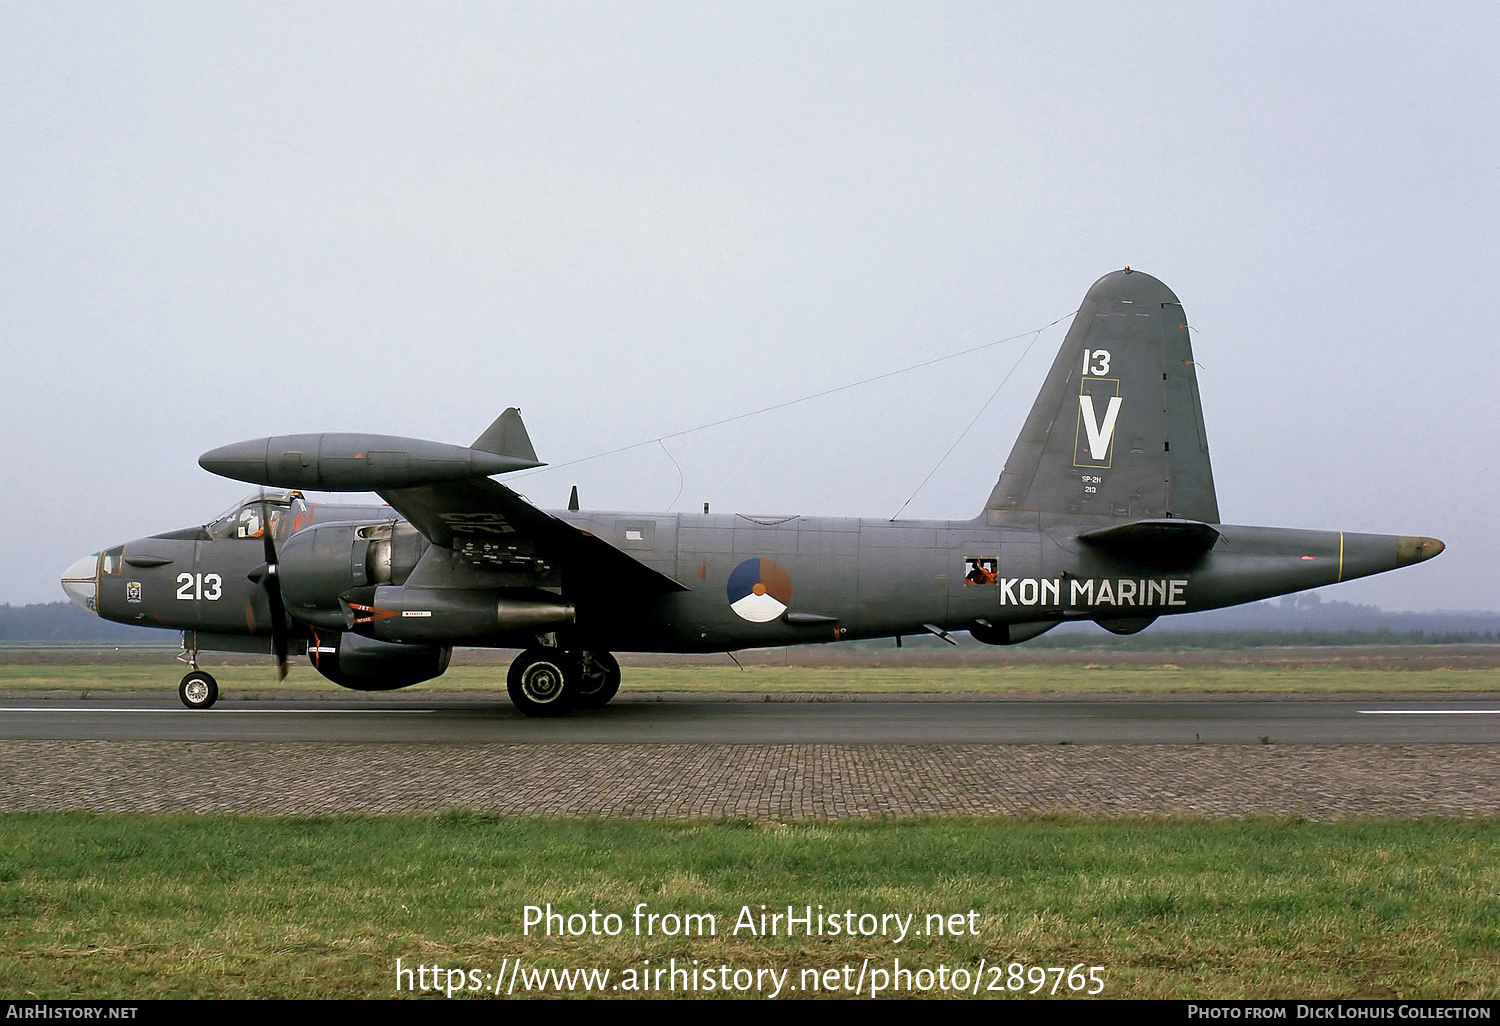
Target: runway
column 706, row 721
column 824, row 757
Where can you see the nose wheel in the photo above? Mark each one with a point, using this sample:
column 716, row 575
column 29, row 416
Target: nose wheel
column 198, row 690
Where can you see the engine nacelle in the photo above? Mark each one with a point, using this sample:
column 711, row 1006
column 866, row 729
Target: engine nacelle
column 363, row 664
column 321, row 563
column 1010, row 633
column 458, row 616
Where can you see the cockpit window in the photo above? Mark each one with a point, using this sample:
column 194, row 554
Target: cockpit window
column 250, row 518
column 112, row 561
column 249, row 524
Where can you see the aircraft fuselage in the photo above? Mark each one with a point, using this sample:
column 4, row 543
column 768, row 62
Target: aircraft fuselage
column 831, row 578
column 857, row 578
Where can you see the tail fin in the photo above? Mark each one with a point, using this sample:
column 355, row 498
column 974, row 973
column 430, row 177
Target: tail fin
column 506, row 437
column 1117, row 429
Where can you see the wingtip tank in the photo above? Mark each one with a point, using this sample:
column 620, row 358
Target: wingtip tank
column 1411, row 550
column 353, row 462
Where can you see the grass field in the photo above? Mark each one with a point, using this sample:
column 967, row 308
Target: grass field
column 210, row 906
column 1083, row 677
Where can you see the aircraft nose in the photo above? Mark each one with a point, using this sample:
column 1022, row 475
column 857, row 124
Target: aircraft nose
column 80, row 582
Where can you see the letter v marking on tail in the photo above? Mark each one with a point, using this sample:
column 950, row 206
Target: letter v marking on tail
column 1099, row 434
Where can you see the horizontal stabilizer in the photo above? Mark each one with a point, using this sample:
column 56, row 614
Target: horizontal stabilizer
column 1170, row 541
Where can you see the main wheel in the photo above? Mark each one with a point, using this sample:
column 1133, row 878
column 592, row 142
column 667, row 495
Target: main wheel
column 542, row 682
column 598, row 679
column 198, row 690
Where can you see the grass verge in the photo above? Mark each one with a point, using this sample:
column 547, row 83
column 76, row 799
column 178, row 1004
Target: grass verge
column 141, row 907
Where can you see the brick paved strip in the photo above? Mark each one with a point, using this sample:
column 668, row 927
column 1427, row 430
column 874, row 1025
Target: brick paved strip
column 781, row 782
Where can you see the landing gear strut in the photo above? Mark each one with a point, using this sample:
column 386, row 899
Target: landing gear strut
column 548, row 681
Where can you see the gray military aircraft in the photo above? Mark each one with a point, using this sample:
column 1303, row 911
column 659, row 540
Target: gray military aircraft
column 1105, row 511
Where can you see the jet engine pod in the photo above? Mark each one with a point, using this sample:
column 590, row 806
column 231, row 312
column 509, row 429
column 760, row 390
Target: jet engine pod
column 363, row 664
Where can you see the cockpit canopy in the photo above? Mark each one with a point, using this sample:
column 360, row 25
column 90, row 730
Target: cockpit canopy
column 249, row 517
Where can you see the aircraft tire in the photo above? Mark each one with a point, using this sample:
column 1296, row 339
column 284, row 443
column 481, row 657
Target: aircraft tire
column 198, row 690
column 600, row 682
column 542, row 682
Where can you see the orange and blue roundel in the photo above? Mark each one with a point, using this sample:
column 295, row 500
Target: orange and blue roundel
column 759, row 590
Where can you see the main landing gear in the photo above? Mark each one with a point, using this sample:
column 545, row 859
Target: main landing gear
column 554, row 681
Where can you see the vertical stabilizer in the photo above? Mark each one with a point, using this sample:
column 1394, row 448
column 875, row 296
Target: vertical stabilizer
column 1117, row 429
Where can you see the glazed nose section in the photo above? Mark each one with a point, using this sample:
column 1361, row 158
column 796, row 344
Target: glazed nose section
column 81, row 583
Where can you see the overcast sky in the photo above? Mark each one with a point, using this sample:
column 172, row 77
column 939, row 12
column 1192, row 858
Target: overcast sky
column 222, row 221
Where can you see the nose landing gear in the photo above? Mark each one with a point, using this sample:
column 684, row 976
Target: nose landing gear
column 198, row 690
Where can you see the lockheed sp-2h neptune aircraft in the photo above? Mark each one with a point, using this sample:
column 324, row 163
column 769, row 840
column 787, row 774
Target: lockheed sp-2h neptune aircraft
column 1104, row 511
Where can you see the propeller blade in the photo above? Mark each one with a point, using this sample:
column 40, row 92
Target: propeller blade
column 272, row 583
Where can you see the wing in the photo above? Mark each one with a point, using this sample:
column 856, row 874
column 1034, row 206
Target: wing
column 484, row 522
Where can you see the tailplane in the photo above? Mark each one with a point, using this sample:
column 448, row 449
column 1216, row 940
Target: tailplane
column 1117, row 429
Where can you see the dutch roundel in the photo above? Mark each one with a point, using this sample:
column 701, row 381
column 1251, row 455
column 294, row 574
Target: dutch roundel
column 759, row 590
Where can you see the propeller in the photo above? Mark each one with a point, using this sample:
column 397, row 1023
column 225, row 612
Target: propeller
column 278, row 607
column 269, row 579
